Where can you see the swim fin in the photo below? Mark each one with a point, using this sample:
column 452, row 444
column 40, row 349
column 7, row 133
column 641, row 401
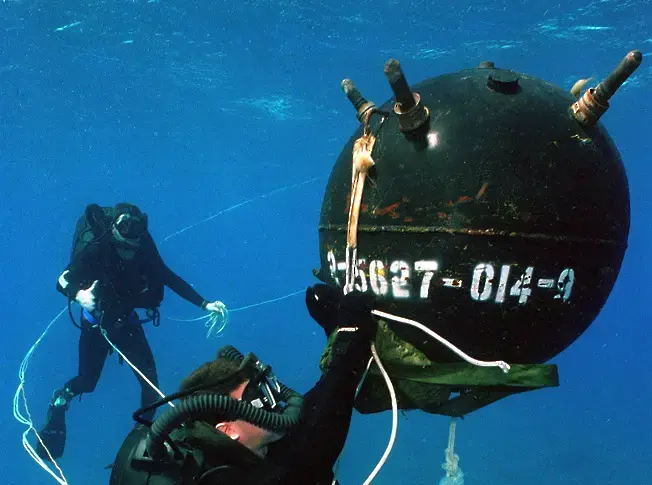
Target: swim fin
column 53, row 434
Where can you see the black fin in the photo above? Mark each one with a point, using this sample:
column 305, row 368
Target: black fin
column 53, row 434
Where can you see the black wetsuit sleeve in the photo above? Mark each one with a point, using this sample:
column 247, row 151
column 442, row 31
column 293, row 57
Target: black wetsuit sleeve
column 173, row 281
column 81, row 272
column 309, row 452
column 180, row 286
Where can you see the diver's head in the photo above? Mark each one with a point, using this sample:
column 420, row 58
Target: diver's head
column 128, row 229
column 253, row 383
column 253, row 437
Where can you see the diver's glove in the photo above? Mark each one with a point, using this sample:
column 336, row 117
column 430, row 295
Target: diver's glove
column 215, row 306
column 357, row 327
column 86, row 298
column 355, row 318
column 322, row 302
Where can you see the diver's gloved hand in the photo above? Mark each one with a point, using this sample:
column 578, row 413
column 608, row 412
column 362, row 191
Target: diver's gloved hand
column 355, row 318
column 86, row 298
column 322, row 302
column 215, row 306
column 357, row 327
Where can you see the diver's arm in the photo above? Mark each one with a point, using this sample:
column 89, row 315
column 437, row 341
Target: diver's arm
column 81, row 272
column 309, row 452
column 180, row 286
column 173, row 281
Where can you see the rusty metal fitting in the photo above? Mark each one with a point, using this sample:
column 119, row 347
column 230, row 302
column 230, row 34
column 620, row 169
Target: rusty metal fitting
column 415, row 117
column 363, row 107
column 411, row 113
column 587, row 110
column 595, row 101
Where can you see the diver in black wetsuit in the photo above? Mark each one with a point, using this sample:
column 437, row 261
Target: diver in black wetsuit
column 114, row 270
column 231, row 427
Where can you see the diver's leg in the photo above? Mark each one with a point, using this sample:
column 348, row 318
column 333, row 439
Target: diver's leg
column 93, row 350
column 137, row 350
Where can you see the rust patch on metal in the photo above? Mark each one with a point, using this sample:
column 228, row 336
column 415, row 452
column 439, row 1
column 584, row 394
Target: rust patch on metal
column 465, row 199
column 390, row 209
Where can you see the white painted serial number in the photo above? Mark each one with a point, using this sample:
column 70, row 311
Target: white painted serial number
column 400, row 279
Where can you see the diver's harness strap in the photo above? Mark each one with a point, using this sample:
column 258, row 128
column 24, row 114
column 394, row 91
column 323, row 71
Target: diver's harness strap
column 152, row 315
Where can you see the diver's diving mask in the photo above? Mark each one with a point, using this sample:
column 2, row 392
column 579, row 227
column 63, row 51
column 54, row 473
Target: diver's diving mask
column 128, row 229
column 263, row 390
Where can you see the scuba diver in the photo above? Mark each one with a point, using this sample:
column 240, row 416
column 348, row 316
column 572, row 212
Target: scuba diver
column 235, row 423
column 115, row 267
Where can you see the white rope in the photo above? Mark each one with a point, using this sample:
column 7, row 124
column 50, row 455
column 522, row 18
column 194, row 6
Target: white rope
column 480, row 363
column 284, row 297
column 124, row 357
column 392, row 437
column 27, row 420
column 240, row 204
column 213, row 318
